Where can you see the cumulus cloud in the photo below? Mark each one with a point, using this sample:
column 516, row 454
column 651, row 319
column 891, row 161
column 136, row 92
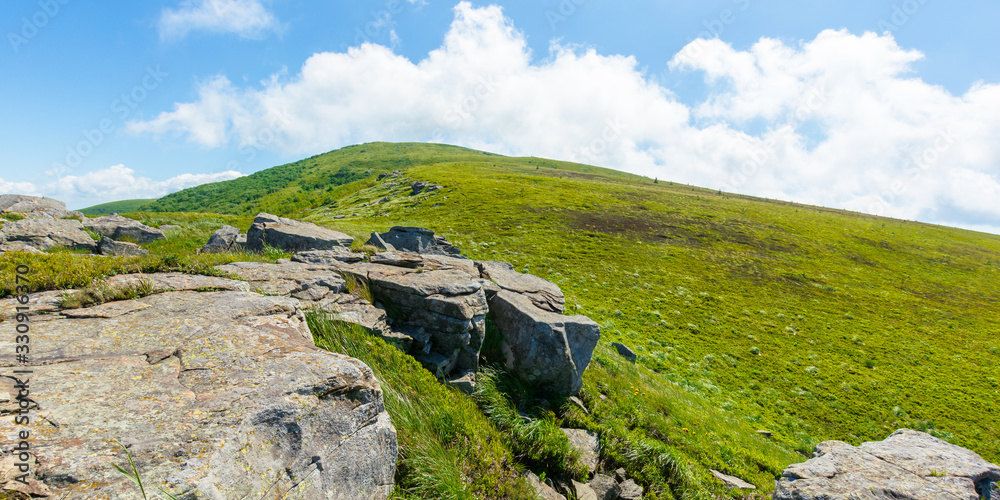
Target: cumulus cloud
column 119, row 182
column 17, row 187
column 840, row 120
column 246, row 18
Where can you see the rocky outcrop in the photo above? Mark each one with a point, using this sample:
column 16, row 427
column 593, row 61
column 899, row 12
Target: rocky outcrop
column 223, row 240
column 542, row 347
column 907, row 464
column 544, row 294
column 18, row 246
column 43, row 233
column 116, row 227
column 291, row 235
column 215, row 394
column 108, row 246
column 414, row 239
column 36, row 207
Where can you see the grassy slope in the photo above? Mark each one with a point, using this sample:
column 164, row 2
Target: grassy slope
column 117, row 207
column 813, row 323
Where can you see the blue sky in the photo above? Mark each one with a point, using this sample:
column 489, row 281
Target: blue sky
column 887, row 107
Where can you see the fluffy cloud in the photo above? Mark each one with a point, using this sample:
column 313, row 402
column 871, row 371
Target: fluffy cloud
column 119, row 182
column 840, row 120
column 17, row 187
column 246, row 18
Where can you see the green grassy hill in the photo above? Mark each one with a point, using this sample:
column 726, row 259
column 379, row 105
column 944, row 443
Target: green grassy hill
column 746, row 313
column 117, row 207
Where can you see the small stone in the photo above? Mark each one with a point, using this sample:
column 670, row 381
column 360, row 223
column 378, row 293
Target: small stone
column 587, row 444
column 605, row 487
column 630, row 490
column 465, row 382
column 544, row 491
column 732, row 481
column 764, row 433
column 583, row 492
column 625, row 351
column 578, row 403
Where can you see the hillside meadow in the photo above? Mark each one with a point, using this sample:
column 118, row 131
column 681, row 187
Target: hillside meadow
column 747, row 314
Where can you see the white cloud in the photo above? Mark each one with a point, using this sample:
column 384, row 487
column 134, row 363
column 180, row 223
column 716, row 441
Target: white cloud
column 840, row 120
column 17, row 187
column 119, row 182
column 246, row 18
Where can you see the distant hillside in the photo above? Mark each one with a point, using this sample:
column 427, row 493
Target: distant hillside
column 314, row 181
column 116, row 207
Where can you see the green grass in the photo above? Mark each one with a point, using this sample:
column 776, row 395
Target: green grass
column 118, row 207
column 437, row 427
column 745, row 313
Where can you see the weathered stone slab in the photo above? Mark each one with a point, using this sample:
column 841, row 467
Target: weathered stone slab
column 286, row 278
column 587, row 444
column 222, row 240
column 543, row 293
column 544, row 348
column 108, row 246
column 216, row 395
column 44, row 234
column 293, row 236
column 116, row 227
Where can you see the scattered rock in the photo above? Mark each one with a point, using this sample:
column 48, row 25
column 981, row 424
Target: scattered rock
column 630, row 490
column 376, row 241
column 384, row 199
column 543, row 293
column 408, row 260
column 625, row 351
column 544, row 348
column 605, row 487
column 168, row 227
column 222, row 240
column 587, row 444
column 292, row 235
column 108, row 246
column 418, row 186
column 44, row 234
column 764, row 433
column 333, row 256
column 116, row 227
column 732, row 481
column 544, row 491
column 226, row 397
column 339, row 216
column 907, row 464
column 465, row 382
column 582, row 491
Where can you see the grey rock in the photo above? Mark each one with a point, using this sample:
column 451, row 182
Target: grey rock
column 764, row 433
column 226, row 397
column 116, row 227
column 575, row 401
column 418, row 239
column 625, row 351
column 292, row 235
column 287, row 278
column 108, row 246
column 587, row 443
column 732, row 481
column 907, row 464
column 544, row 348
column 36, row 207
column 384, row 199
column 44, row 234
column 582, row 491
column 438, row 364
column 222, row 240
column 18, row 246
column 339, row 216
column 333, row 256
column 630, row 490
column 543, row 293
column 418, row 186
column 465, row 382
column 399, row 259
column 376, row 241
column 605, row 487
column 544, row 491
column 164, row 282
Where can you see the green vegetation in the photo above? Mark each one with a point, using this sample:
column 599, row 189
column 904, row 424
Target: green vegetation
column 115, row 207
column 133, row 474
column 100, row 292
column 745, row 313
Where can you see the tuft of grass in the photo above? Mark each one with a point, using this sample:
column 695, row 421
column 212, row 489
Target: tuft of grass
column 133, row 474
column 100, row 292
column 531, row 432
column 13, row 216
column 358, row 286
column 448, row 448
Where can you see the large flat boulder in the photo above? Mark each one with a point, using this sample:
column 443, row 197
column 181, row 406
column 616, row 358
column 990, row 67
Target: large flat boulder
column 544, row 348
column 108, row 246
column 543, row 293
column 293, row 236
column 36, row 207
column 414, row 239
column 907, row 464
column 116, row 227
column 287, row 278
column 216, row 395
column 44, row 234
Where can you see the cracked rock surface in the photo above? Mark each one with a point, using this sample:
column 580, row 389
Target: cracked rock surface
column 216, row 394
column 907, row 465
